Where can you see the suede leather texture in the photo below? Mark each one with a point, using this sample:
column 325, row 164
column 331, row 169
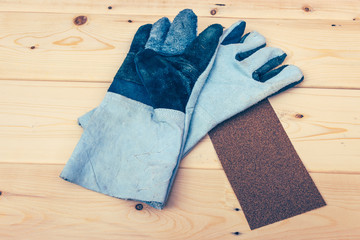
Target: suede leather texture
column 163, row 37
column 192, row 50
column 169, row 79
column 131, row 150
column 240, row 78
column 171, row 39
column 134, row 164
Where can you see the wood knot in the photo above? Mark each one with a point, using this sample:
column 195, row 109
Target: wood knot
column 298, row 115
column 139, row 207
column 213, row 11
column 130, row 21
column 109, row 7
column 80, row 20
column 237, row 209
column 236, row 233
column 307, row 9
column 32, row 47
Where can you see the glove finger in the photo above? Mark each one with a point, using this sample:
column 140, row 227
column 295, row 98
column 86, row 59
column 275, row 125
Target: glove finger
column 235, row 33
column 127, row 70
column 140, row 38
column 282, row 78
column 158, row 34
column 181, row 33
column 126, row 81
column 272, row 63
column 262, row 61
column 250, row 43
column 201, row 50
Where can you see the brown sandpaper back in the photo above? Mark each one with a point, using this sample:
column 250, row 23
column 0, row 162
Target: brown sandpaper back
column 264, row 170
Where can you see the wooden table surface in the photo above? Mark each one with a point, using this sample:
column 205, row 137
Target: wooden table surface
column 52, row 71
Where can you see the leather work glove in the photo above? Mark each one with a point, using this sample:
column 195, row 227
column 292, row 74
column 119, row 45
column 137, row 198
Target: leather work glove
column 131, row 146
column 243, row 74
column 239, row 48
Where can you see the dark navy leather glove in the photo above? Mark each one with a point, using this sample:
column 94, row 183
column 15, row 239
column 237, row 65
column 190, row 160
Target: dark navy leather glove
column 166, row 38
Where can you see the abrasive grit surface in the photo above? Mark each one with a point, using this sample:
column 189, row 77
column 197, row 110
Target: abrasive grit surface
column 264, row 170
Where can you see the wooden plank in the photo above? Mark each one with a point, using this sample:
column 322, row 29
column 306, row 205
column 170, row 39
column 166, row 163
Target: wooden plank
column 95, row 50
column 38, row 124
column 323, row 125
column 285, row 9
column 36, row 204
column 43, row 116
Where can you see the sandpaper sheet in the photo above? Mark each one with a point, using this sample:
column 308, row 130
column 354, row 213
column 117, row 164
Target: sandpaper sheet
column 264, row 170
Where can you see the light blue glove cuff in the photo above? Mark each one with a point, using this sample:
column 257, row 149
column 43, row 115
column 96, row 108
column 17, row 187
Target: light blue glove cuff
column 108, row 159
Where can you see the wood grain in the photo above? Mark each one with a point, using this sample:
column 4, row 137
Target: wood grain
column 48, row 46
column 38, row 124
column 52, row 71
column 36, row 204
column 323, row 125
column 284, row 9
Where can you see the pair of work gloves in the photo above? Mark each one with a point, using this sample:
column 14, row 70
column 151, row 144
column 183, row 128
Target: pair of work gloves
column 172, row 88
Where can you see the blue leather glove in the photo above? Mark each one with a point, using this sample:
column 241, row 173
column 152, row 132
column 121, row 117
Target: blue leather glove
column 165, row 38
column 242, row 76
column 131, row 146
